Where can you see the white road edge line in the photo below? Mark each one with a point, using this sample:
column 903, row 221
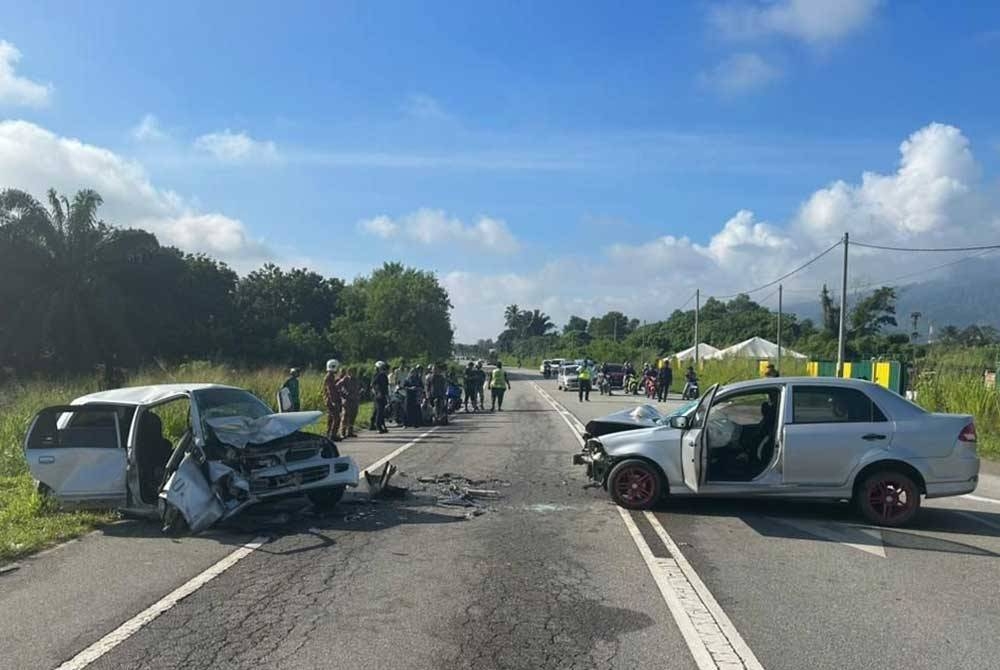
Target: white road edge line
column 981, row 499
column 135, row 624
column 710, row 635
column 397, row 452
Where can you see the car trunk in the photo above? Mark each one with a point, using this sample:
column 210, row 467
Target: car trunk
column 932, row 435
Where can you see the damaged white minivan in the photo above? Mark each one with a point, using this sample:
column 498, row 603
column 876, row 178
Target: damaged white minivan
column 110, row 449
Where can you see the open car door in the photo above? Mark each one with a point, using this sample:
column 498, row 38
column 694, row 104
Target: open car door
column 77, row 452
column 693, row 441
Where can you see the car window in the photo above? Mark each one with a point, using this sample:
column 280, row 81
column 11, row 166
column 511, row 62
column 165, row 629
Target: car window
column 81, row 420
column 832, row 404
column 748, row 407
column 213, row 403
column 96, row 431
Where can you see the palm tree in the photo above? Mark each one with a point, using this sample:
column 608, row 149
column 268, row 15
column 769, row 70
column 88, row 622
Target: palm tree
column 66, row 278
column 538, row 323
column 512, row 316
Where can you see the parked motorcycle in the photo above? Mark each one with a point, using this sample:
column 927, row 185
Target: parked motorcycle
column 691, row 391
column 632, row 385
column 454, row 395
column 650, row 383
column 603, row 384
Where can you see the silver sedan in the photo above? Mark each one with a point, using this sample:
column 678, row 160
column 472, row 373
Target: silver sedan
column 797, row 437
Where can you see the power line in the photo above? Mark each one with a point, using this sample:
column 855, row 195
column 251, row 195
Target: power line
column 787, row 274
column 925, row 270
column 688, row 301
column 888, row 248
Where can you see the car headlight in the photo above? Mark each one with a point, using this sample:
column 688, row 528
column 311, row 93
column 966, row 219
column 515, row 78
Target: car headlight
column 594, row 447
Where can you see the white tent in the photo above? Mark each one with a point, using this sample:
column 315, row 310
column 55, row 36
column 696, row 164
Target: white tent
column 755, row 347
column 704, row 351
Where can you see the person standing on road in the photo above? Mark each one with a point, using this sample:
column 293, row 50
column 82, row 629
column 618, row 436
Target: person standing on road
column 665, row 378
column 380, row 391
column 332, row 399
column 292, row 386
column 411, row 386
column 351, row 392
column 499, row 384
column 471, row 393
column 481, row 384
column 437, row 390
column 583, row 376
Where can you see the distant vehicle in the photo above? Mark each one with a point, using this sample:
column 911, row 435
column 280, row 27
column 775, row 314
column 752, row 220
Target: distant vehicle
column 492, row 357
column 567, row 379
column 108, row 449
column 616, row 374
column 556, row 362
column 545, row 364
column 796, row 437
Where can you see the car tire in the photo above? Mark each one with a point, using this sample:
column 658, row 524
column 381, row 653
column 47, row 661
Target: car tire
column 635, row 484
column 326, row 498
column 172, row 522
column 887, row 498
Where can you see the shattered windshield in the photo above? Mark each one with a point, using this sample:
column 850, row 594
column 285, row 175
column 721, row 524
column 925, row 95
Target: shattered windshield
column 220, row 402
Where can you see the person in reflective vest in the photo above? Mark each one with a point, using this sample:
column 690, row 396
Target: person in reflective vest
column 499, row 384
column 583, row 376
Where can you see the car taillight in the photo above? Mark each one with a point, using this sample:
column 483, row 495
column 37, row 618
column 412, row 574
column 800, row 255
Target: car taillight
column 968, row 433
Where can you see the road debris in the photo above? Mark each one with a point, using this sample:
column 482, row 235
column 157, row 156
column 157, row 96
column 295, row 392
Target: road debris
column 10, row 567
column 379, row 486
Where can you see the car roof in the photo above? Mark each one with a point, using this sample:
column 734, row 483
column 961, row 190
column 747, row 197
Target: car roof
column 823, row 381
column 146, row 395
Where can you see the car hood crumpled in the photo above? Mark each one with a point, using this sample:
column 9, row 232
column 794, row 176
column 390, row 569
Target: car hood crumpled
column 240, row 431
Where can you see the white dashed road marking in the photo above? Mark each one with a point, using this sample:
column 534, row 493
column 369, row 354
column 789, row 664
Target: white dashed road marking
column 713, row 640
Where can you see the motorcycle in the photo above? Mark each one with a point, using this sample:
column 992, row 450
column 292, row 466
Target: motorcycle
column 454, row 396
column 632, row 385
column 691, row 391
column 604, row 384
column 547, row 372
column 650, row 384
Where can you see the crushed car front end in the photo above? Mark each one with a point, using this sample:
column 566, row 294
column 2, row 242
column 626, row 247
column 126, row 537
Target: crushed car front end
column 595, row 459
column 245, row 460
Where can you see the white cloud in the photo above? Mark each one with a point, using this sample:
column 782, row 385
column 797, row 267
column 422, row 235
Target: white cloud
column 932, row 194
column 434, row 226
column 425, row 107
column 15, row 90
column 236, row 147
column 815, row 22
column 740, row 73
column 34, row 159
column 936, row 197
column 148, row 130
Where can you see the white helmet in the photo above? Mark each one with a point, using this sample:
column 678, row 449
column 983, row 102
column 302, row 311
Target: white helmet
column 332, row 365
column 379, row 365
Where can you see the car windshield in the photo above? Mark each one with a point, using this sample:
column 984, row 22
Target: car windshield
column 219, row 402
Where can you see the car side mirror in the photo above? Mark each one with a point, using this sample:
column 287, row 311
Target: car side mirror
column 679, row 422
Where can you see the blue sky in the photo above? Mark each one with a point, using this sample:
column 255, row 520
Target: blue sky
column 508, row 145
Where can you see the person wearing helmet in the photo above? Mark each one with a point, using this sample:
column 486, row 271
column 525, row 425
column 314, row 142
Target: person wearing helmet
column 380, row 391
column 412, row 385
column 332, row 399
column 288, row 394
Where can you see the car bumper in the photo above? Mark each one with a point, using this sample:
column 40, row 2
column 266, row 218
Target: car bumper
column 318, row 473
column 944, row 489
column 594, row 460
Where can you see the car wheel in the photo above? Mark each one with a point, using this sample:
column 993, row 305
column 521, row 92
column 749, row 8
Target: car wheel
column 887, row 498
column 635, row 484
column 172, row 521
column 326, row 498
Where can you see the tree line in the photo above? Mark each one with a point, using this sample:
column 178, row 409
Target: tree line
column 79, row 292
column 870, row 324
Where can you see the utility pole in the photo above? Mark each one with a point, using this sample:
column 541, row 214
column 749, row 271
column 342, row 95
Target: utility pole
column 779, row 327
column 843, row 312
column 915, row 318
column 697, row 306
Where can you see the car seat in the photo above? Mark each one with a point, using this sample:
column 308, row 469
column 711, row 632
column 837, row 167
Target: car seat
column 153, row 452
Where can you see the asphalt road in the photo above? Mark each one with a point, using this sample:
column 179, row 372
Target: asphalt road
column 546, row 574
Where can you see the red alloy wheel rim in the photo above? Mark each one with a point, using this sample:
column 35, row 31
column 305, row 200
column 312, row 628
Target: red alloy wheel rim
column 889, row 499
column 635, row 485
